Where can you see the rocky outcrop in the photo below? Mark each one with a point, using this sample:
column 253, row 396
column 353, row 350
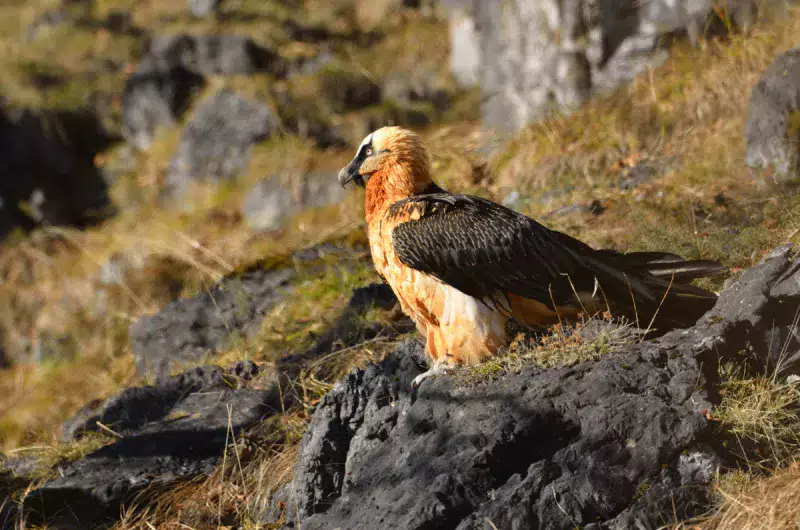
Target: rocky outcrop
column 203, row 8
column 273, row 200
column 133, row 408
column 172, row 70
column 539, row 56
column 192, row 329
column 215, row 144
column 772, row 132
column 170, row 432
column 621, row 443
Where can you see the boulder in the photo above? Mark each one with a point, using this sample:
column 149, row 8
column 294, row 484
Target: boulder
column 172, row 70
column 133, row 408
column 772, row 132
column 153, row 99
column 174, row 431
column 273, row 200
column 215, row 144
column 624, row 442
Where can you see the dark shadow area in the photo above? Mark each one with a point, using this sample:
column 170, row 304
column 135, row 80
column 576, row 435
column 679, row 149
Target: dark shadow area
column 47, row 170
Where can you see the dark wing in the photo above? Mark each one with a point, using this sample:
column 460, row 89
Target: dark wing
column 482, row 249
column 488, row 251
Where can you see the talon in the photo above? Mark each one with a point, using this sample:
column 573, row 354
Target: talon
column 433, row 372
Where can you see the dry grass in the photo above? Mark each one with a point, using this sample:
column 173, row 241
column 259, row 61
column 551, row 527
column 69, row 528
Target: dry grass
column 560, row 346
column 763, row 414
column 771, row 503
column 759, row 416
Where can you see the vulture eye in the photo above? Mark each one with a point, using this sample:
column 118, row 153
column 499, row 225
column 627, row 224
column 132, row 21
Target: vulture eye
column 369, row 151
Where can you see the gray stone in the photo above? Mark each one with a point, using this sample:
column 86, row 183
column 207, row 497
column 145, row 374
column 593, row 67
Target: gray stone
column 536, row 57
column 272, row 201
column 192, row 329
column 772, row 132
column 134, row 408
column 203, row 8
column 215, row 144
column 465, row 51
column 173, row 69
column 154, row 99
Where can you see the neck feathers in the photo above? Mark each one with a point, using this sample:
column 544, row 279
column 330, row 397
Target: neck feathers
column 397, row 181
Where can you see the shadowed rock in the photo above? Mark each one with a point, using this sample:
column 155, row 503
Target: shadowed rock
column 175, row 431
column 191, row 329
column 133, row 408
column 47, row 171
column 619, row 443
column 210, row 55
column 153, row 99
column 173, row 69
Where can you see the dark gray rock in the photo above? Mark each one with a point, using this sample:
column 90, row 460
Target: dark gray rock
column 273, row 200
column 772, row 132
column 173, row 69
column 133, row 408
column 194, row 328
column 170, row 441
column 153, row 99
column 619, row 443
column 203, row 8
column 215, row 145
column 346, row 88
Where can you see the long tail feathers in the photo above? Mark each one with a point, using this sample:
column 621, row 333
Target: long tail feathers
column 657, row 287
column 664, row 265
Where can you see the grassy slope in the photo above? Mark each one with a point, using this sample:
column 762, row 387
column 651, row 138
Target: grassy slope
column 685, row 117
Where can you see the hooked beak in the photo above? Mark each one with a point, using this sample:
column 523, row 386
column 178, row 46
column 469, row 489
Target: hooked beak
column 350, row 174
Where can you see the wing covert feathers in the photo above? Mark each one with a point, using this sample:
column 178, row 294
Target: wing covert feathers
column 499, row 256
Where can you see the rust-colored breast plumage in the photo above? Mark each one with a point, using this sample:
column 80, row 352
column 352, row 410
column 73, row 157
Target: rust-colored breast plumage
column 459, row 329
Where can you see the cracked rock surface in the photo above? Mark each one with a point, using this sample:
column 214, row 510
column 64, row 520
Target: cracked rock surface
column 620, row 443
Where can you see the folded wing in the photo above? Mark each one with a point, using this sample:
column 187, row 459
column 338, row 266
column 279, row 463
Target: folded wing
column 491, row 252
